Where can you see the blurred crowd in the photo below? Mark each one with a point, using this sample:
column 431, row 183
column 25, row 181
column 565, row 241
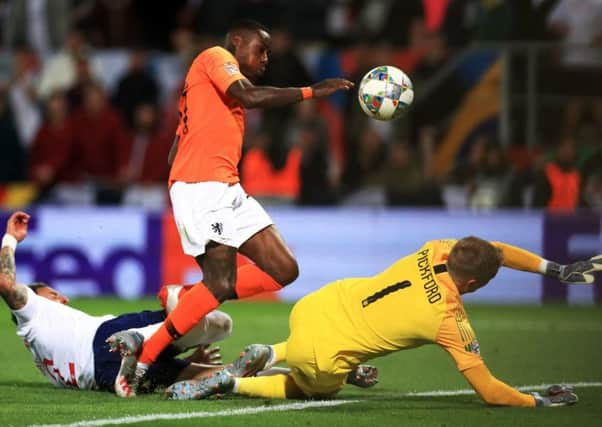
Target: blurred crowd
column 74, row 128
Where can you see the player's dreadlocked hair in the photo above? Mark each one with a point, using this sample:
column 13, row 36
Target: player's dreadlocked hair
column 474, row 258
column 34, row 287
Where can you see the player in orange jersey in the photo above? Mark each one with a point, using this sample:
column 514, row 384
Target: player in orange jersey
column 215, row 217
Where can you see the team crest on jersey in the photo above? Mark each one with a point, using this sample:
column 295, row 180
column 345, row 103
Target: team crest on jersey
column 231, row 68
column 218, row 228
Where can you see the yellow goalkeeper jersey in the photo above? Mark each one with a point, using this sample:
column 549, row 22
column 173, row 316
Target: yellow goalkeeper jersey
column 412, row 303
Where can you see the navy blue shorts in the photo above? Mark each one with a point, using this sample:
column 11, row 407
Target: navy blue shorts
column 106, row 364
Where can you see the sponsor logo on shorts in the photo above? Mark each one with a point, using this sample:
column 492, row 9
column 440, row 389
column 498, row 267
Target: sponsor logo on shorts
column 217, row 227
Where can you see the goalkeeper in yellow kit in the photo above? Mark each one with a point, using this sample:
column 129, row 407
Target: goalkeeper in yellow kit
column 415, row 301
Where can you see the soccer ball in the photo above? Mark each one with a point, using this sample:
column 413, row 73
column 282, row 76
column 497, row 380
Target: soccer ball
column 385, row 93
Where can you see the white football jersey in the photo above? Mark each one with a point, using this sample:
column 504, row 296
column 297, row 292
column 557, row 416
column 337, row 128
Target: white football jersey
column 60, row 340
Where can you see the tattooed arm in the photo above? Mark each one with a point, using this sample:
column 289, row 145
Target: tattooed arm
column 16, row 230
column 14, row 295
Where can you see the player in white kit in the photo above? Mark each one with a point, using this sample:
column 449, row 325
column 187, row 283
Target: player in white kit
column 69, row 346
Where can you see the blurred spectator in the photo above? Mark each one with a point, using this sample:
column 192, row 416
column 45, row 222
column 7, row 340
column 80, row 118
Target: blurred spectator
column 405, row 180
column 579, row 24
column 100, row 144
column 591, row 172
column 261, row 180
column 558, row 186
column 592, row 191
column 493, row 21
column 319, row 176
column 42, row 25
column 459, row 21
column 137, row 86
column 529, row 19
column 284, row 69
column 114, row 23
column 316, row 185
column 305, row 19
column 12, row 160
column 490, row 185
column 128, row 23
column 83, row 78
column 51, row 158
column 437, row 102
column 399, row 19
column 23, row 97
column 468, row 168
column 483, row 179
column 184, row 42
column 365, row 162
column 60, row 71
column 525, row 163
column 158, row 19
column 148, row 148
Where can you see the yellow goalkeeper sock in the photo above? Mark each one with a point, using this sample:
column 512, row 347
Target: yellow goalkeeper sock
column 274, row 387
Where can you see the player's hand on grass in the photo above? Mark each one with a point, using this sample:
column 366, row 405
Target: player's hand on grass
column 363, row 376
column 330, row 86
column 556, row 395
column 206, row 355
column 580, row 272
column 16, row 225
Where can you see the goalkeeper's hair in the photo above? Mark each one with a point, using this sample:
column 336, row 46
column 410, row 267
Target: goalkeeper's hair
column 474, row 258
column 34, row 287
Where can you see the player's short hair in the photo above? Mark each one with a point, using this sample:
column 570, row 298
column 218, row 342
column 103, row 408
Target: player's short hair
column 474, row 258
column 247, row 25
column 34, row 286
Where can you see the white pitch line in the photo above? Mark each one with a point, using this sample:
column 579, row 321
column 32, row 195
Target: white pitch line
column 171, row 416
column 522, row 388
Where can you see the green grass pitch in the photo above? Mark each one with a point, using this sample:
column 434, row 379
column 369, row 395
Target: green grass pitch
column 522, row 345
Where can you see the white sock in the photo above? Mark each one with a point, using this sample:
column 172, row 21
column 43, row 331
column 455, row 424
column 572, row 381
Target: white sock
column 276, row 370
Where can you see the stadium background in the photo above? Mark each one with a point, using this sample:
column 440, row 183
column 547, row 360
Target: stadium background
column 504, row 89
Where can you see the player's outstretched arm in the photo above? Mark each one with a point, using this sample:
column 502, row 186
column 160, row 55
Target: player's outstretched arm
column 576, row 273
column 579, row 273
column 16, row 230
column 251, row 96
column 495, row 392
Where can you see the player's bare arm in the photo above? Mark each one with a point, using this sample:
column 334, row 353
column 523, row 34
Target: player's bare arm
column 251, row 96
column 16, row 230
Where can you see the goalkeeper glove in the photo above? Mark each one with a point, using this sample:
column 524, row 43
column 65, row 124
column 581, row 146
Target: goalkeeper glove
column 556, row 395
column 579, row 272
column 363, row 376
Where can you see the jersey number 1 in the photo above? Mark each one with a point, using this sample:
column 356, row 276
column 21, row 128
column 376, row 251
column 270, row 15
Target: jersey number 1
column 385, row 291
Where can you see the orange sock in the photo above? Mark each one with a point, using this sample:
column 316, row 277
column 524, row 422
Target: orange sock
column 191, row 308
column 252, row 280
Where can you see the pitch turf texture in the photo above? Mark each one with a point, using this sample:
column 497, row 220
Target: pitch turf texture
column 522, row 345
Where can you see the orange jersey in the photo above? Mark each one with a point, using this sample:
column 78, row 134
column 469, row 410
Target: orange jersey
column 211, row 124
